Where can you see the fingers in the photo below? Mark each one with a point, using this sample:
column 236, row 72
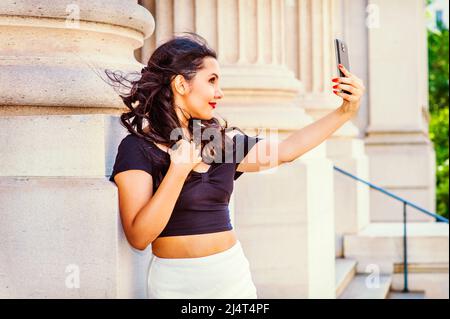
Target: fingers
column 350, row 98
column 348, row 88
column 353, row 81
column 350, row 83
column 350, row 78
column 345, row 71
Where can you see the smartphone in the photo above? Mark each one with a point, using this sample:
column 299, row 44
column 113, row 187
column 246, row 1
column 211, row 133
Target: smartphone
column 341, row 58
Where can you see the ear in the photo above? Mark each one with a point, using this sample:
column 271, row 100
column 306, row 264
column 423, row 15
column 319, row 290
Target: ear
column 180, row 84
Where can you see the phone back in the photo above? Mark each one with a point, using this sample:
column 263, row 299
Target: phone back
column 341, row 55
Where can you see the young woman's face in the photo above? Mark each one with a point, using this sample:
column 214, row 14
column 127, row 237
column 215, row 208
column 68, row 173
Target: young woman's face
column 203, row 90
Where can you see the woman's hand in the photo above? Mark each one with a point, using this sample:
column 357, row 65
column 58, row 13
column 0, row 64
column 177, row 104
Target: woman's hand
column 352, row 84
column 185, row 155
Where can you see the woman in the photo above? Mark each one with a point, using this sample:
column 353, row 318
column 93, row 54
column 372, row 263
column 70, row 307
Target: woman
column 175, row 181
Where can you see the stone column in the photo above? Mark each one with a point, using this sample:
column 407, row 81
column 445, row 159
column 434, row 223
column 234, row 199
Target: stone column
column 60, row 226
column 402, row 156
column 312, row 57
column 283, row 217
column 346, row 148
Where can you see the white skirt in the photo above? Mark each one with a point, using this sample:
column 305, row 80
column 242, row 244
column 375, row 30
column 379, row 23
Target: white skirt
column 225, row 275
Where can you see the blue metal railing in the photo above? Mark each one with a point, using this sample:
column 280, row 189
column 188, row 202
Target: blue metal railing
column 405, row 203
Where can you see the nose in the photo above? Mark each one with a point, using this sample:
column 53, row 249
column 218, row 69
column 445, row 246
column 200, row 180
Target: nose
column 219, row 94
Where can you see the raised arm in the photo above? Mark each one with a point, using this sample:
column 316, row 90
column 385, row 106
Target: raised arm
column 314, row 134
column 307, row 138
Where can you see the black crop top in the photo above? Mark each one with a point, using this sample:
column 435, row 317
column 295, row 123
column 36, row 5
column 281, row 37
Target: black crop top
column 202, row 206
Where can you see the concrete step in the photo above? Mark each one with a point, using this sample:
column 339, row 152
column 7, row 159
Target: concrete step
column 380, row 245
column 431, row 279
column 345, row 270
column 367, row 287
column 408, row 295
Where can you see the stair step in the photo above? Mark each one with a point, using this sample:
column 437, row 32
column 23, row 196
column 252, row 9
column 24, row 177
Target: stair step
column 381, row 244
column 362, row 287
column 429, row 278
column 408, row 295
column 413, row 229
column 345, row 271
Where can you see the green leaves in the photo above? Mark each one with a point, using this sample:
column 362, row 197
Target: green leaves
column 438, row 103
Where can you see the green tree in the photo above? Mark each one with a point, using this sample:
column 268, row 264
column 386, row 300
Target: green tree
column 439, row 102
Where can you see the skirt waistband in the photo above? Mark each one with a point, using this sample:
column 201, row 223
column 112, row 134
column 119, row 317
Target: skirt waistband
column 226, row 254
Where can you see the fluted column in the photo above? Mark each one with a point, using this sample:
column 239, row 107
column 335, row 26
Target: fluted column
column 311, row 53
column 61, row 232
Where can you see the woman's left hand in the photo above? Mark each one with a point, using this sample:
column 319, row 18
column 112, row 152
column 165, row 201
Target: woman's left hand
column 352, row 84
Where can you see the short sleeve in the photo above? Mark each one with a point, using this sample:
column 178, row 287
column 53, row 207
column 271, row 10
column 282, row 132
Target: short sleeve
column 131, row 155
column 243, row 144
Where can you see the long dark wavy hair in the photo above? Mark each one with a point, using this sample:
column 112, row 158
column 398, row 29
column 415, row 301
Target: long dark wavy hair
column 150, row 98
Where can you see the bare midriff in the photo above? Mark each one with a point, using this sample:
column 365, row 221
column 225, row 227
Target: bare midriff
column 193, row 246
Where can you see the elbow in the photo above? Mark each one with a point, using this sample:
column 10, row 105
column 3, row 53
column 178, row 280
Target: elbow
column 143, row 243
column 285, row 153
column 289, row 158
column 139, row 244
column 285, row 157
column 139, row 239
column 285, row 160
